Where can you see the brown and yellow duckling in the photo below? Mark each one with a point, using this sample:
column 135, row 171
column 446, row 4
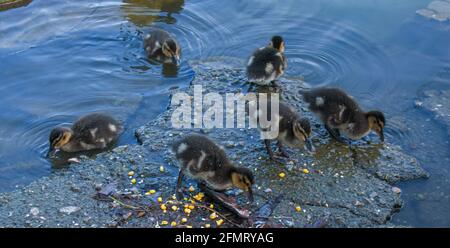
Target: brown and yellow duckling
column 341, row 113
column 93, row 131
column 162, row 47
column 293, row 130
column 268, row 63
column 201, row 159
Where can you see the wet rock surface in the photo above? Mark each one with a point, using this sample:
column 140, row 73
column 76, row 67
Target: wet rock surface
column 342, row 186
column 436, row 10
column 438, row 103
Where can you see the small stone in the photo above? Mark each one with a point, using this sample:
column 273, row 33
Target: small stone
column 268, row 190
column 69, row 210
column 73, row 160
column 373, row 195
column 396, row 190
column 359, row 204
column 34, row 211
column 75, row 189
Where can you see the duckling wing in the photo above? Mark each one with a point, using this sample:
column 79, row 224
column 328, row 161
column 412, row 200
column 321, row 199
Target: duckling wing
column 96, row 129
column 265, row 63
column 154, row 41
column 331, row 104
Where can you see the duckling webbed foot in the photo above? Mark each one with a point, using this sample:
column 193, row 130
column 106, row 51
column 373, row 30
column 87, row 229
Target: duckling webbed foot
column 335, row 134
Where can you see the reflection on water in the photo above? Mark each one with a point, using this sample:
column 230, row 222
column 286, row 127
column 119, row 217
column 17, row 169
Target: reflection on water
column 145, row 12
column 62, row 59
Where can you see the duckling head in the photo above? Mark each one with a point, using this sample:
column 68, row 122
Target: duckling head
column 58, row 138
column 277, row 42
column 302, row 132
column 376, row 122
column 171, row 49
column 242, row 178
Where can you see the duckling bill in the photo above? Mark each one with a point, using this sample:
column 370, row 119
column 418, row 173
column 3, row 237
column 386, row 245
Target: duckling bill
column 268, row 63
column 341, row 113
column 201, row 159
column 293, row 130
column 162, row 47
column 93, row 131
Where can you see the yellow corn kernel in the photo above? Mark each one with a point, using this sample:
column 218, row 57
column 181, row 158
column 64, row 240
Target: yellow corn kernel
column 169, row 202
column 306, row 171
column 174, row 208
column 163, row 207
column 186, row 205
column 191, row 207
column 188, row 226
column 174, row 197
column 298, row 208
column 282, row 175
column 183, row 220
column 131, row 173
column 133, row 181
column 164, row 222
column 173, row 223
column 211, row 206
column 201, row 194
column 150, row 192
column 192, row 201
column 207, row 225
column 160, row 199
column 191, row 189
column 161, row 168
column 219, row 222
column 187, row 210
column 213, row 216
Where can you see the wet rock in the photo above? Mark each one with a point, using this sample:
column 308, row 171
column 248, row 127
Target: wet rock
column 438, row 103
column 338, row 185
column 436, row 10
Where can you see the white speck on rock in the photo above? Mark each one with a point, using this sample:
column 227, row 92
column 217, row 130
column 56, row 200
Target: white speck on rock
column 69, row 210
column 34, row 211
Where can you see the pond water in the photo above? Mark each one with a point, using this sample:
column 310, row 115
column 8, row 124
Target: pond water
column 63, row 59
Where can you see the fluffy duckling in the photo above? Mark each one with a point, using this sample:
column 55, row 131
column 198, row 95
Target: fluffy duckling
column 340, row 113
column 267, row 63
column 93, row 131
column 201, row 159
column 293, row 130
column 162, row 47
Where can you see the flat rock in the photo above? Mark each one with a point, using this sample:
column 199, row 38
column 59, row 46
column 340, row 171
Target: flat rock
column 346, row 186
column 438, row 103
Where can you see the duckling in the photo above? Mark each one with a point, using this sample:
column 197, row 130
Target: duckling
column 161, row 46
column 201, row 159
column 268, row 63
column 93, row 131
column 340, row 113
column 293, row 130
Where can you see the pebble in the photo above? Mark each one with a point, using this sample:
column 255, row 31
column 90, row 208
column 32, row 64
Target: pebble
column 396, row 190
column 75, row 189
column 69, row 210
column 34, row 211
